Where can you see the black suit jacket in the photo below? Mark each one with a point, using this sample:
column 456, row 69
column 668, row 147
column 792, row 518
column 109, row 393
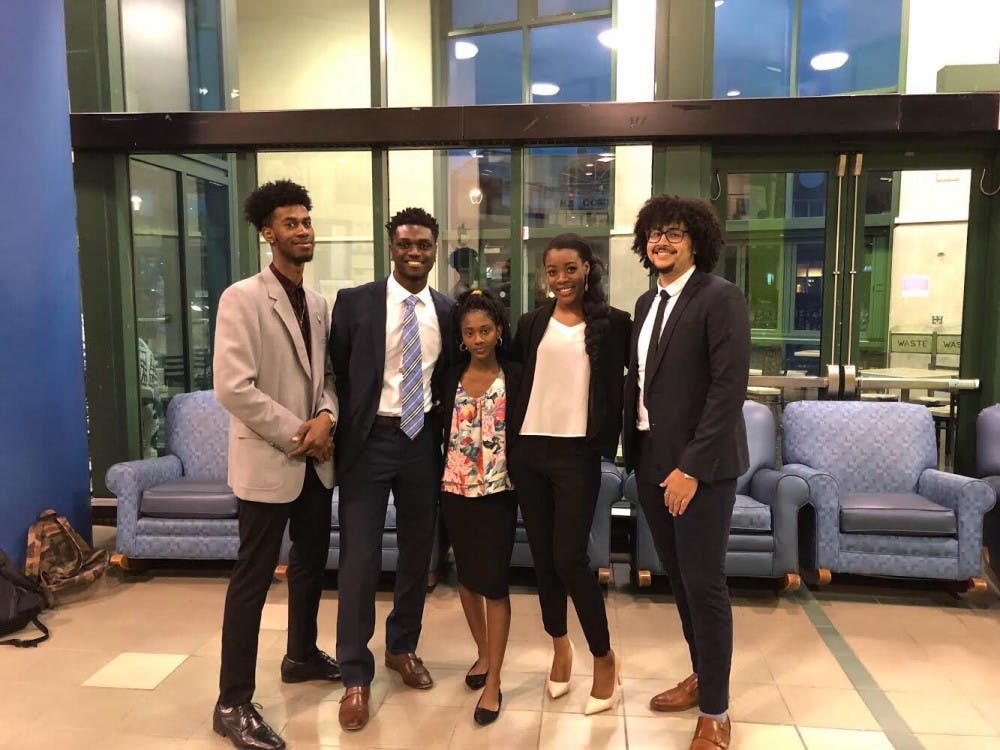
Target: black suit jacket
column 449, row 388
column 604, row 408
column 695, row 385
column 357, row 348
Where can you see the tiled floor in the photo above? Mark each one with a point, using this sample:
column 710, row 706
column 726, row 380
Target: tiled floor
column 133, row 663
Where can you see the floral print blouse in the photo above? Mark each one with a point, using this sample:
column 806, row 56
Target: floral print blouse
column 476, row 464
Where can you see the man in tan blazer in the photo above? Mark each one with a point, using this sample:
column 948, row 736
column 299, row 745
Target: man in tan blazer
column 272, row 374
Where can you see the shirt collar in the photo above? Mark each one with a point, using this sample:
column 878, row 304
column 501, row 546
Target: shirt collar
column 677, row 285
column 396, row 292
column 289, row 285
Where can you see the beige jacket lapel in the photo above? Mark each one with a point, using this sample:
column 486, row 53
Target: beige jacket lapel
column 283, row 308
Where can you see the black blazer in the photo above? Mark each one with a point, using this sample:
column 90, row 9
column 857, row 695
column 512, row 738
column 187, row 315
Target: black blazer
column 357, row 348
column 449, row 388
column 604, row 408
column 695, row 385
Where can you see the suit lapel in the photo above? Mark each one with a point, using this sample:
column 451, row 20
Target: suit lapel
column 443, row 309
column 641, row 311
column 318, row 334
column 283, row 307
column 687, row 294
column 377, row 312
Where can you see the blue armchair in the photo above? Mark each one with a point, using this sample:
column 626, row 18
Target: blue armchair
column 882, row 508
column 763, row 535
column 988, row 464
column 599, row 543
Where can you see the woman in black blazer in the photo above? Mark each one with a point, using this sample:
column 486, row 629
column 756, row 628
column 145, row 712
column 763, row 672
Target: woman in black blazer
column 574, row 351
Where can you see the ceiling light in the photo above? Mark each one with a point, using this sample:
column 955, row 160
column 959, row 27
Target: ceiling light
column 475, row 196
column 829, row 60
column 136, row 203
column 773, row 68
column 589, row 174
column 589, row 164
column 543, row 88
column 719, row 3
column 606, row 159
column 733, row 92
column 465, row 50
column 609, row 38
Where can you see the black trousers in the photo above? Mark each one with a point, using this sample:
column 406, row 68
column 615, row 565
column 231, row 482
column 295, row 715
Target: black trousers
column 692, row 548
column 557, row 482
column 262, row 526
column 412, row 470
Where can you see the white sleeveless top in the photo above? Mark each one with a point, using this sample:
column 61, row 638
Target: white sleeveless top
column 560, row 390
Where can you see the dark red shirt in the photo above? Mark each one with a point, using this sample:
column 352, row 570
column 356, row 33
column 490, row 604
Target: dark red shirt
column 297, row 296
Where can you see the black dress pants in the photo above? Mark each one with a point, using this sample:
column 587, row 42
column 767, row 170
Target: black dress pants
column 692, row 548
column 262, row 526
column 557, row 482
column 389, row 460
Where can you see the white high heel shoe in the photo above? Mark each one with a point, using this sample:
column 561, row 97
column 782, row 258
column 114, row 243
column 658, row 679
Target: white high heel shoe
column 598, row 705
column 559, row 689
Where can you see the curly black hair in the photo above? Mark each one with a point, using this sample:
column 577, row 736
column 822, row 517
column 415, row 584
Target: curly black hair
column 697, row 216
column 595, row 299
column 485, row 301
column 412, row 215
column 260, row 204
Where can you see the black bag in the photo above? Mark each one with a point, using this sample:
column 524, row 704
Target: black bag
column 21, row 601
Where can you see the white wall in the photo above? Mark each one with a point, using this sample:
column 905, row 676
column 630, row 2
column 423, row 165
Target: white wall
column 154, row 50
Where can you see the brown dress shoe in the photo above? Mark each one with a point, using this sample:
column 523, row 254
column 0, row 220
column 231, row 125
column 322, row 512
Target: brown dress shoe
column 711, row 734
column 679, row 698
column 354, row 708
column 411, row 668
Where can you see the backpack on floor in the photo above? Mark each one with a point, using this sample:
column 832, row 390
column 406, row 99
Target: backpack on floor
column 21, row 601
column 59, row 557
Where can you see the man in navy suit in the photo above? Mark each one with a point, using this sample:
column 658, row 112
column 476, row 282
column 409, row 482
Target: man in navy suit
column 684, row 436
column 388, row 340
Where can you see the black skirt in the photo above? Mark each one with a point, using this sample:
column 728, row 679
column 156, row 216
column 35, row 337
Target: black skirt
column 481, row 530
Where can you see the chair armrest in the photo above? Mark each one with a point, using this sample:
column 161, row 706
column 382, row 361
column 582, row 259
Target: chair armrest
column 128, row 480
column 970, row 499
column 824, row 496
column 785, row 494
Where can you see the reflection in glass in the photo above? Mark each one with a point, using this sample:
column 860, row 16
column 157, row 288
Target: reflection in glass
column 808, row 311
column 485, row 69
column 555, row 7
column 569, row 63
column 468, row 13
column 756, row 64
column 878, row 193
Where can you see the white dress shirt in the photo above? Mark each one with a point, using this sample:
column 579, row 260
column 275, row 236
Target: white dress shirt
column 674, row 290
column 430, row 345
column 560, row 391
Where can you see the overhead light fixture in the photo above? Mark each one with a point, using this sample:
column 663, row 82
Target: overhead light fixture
column 465, row 50
column 733, row 92
column 719, row 3
column 475, row 154
column 829, row 60
column 609, row 38
column 136, row 203
column 475, row 196
column 589, row 164
column 543, row 88
column 774, row 68
column 607, row 153
column 606, row 159
column 589, row 174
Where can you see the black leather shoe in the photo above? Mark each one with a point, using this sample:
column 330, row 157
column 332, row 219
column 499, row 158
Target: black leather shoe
column 245, row 728
column 319, row 666
column 484, row 716
column 475, row 681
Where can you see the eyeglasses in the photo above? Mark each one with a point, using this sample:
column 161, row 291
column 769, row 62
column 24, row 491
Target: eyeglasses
column 672, row 235
column 408, row 244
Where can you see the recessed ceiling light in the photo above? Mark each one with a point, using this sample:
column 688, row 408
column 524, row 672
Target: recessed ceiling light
column 543, row 88
column 465, row 50
column 590, row 164
column 606, row 159
column 733, row 92
column 829, row 60
column 609, row 38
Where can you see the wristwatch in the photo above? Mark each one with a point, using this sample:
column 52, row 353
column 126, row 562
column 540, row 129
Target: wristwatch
column 333, row 419
column 688, row 476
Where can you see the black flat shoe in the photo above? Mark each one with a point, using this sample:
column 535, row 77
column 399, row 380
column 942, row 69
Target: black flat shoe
column 319, row 666
column 245, row 728
column 475, row 681
column 484, row 716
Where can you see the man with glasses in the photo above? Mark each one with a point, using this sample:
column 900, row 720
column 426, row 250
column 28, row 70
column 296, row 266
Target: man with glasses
column 685, row 438
column 388, row 339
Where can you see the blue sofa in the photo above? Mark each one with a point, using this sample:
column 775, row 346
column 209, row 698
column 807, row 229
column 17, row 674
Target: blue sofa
column 988, row 465
column 763, row 535
column 882, row 508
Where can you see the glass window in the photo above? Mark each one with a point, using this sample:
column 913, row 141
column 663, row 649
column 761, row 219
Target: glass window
column 555, row 7
column 849, row 45
column 570, row 64
column 754, row 64
column 808, row 306
column 468, row 13
column 485, row 69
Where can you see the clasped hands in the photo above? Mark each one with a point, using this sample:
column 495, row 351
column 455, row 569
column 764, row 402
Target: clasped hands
column 314, row 439
column 678, row 489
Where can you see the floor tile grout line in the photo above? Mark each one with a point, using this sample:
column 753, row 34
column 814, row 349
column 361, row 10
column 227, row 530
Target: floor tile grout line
column 892, row 723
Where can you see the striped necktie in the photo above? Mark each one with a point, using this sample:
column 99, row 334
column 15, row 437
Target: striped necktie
column 411, row 391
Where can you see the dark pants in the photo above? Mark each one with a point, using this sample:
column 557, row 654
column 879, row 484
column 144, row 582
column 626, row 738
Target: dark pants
column 692, row 548
column 557, row 482
column 262, row 526
column 389, row 460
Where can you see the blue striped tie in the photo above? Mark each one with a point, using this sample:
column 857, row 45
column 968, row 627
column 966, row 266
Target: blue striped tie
column 411, row 392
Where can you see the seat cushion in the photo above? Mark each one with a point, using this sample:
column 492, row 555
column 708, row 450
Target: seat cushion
column 189, row 498
column 896, row 514
column 749, row 515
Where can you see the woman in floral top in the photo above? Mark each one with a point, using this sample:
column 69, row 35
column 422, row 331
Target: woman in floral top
column 476, row 492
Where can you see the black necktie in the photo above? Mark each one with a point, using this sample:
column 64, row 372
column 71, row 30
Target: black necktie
column 654, row 336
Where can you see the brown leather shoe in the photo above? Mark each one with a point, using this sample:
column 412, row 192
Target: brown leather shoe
column 354, row 708
column 411, row 668
column 679, row 698
column 711, row 735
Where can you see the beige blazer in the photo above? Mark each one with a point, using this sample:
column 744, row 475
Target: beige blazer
column 266, row 382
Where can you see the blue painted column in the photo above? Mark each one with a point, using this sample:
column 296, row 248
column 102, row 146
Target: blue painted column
column 43, row 431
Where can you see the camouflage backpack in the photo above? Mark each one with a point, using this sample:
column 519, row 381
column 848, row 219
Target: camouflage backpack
column 21, row 601
column 59, row 557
